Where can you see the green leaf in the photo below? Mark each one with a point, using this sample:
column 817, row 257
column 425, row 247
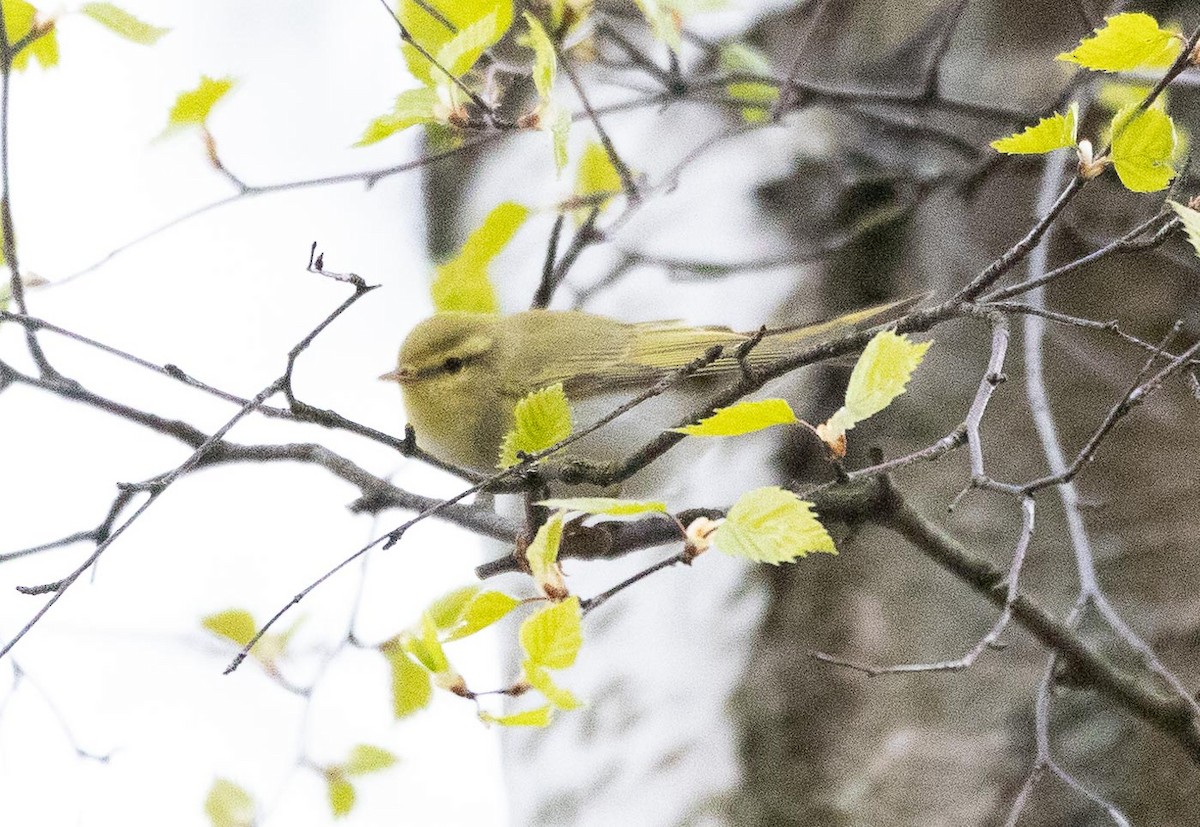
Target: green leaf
column 742, row 418
column 432, row 32
column 540, row 679
column 414, row 106
column 19, row 20
column 664, row 22
column 771, row 525
column 1116, row 95
column 341, row 794
column 597, row 176
column 462, row 283
column 484, row 610
column 551, row 638
column 193, row 107
column 1191, row 223
column 542, row 555
column 123, row 23
column 606, row 505
column 1055, row 132
column 366, row 758
column 560, row 131
column 447, row 610
column 545, row 62
column 427, row 648
column 759, row 97
column 412, row 688
column 1142, row 148
column 539, row 717
column 879, row 376
column 461, row 51
column 235, row 624
column 1132, row 40
column 228, row 805
column 541, row 419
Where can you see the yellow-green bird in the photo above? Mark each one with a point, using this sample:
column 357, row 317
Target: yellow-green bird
column 462, row 374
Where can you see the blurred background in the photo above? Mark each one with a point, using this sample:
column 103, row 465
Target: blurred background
column 705, row 705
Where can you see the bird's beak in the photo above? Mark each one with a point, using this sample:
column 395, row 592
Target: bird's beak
column 399, row 375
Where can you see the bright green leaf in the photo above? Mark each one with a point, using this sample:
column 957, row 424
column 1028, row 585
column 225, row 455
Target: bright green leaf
column 19, row 20
column 606, row 505
column 193, row 107
column 540, row 679
column 427, row 648
column 551, row 638
column 1142, row 148
column 758, row 97
column 228, row 805
column 559, row 120
column 123, row 23
column 447, row 610
column 597, row 179
column 434, row 23
column 462, row 283
column 742, row 418
column 771, row 525
column 366, row 758
column 542, row 555
column 1116, row 95
column 879, row 376
column 461, row 51
column 1055, row 132
column 484, row 610
column 235, row 624
column 541, row 419
column 341, row 794
column 1132, row 40
column 413, row 106
column 412, row 688
column 545, row 62
column 1191, row 223
column 539, row 717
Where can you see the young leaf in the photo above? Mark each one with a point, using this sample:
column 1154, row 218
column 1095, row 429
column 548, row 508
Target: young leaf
column 596, row 180
column 234, row 624
column 540, row 419
column 19, row 20
column 1116, row 95
column 542, row 555
column 540, row 679
column 193, row 107
column 411, row 685
column 545, row 62
column 606, row 505
column 742, row 418
column 879, row 376
column 447, row 610
column 664, row 22
column 427, row 648
column 123, row 23
column 366, row 758
column 551, row 638
column 462, row 283
column 1132, row 40
column 434, row 23
column 228, row 805
column 460, row 52
column 539, row 717
column 559, row 120
column 413, row 106
column 771, row 525
column 1142, row 148
column 758, row 97
column 1191, row 223
column 486, row 609
column 1055, row 132
column 341, row 794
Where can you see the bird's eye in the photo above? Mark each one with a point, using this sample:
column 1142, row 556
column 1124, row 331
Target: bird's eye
column 453, row 364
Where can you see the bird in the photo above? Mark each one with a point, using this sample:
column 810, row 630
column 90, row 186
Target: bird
column 462, row 374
